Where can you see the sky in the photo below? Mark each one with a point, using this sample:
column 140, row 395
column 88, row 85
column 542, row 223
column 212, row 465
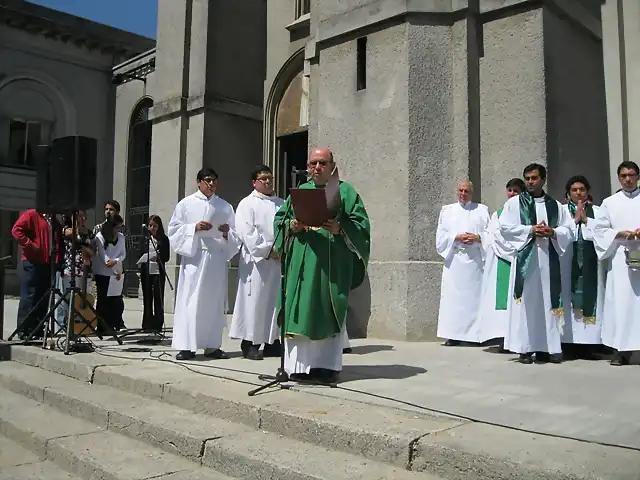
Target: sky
column 137, row 16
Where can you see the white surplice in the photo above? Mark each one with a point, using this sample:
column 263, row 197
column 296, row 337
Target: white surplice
column 302, row 354
column 621, row 309
column 255, row 311
column 575, row 330
column 491, row 323
column 463, row 269
column 201, row 297
column 532, row 326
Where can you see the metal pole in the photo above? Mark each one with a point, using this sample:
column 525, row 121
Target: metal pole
column 3, row 261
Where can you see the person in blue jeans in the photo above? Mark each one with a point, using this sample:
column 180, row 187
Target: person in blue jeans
column 32, row 232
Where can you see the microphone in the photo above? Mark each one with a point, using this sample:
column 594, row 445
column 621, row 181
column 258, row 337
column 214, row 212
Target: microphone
column 299, row 171
column 145, row 229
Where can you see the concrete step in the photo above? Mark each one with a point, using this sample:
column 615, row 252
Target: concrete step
column 18, row 463
column 230, row 448
column 86, row 450
column 447, row 447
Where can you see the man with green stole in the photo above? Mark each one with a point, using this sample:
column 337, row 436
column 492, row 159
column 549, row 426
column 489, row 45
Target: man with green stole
column 492, row 317
column 323, row 264
column 582, row 275
column 536, row 230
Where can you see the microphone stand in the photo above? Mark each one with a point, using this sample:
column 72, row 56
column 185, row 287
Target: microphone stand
column 281, row 377
column 147, row 236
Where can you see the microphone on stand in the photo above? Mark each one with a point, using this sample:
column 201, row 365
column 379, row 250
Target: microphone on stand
column 145, row 229
column 295, row 173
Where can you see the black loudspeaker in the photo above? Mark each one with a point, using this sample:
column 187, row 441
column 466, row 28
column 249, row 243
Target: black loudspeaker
column 66, row 175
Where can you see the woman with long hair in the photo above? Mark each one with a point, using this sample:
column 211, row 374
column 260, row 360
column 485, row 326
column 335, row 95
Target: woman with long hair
column 152, row 275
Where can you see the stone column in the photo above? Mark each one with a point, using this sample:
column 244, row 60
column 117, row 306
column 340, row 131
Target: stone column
column 621, row 40
column 207, row 91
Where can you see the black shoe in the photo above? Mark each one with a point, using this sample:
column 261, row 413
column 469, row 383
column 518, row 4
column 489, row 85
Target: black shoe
column 543, row 357
column 347, row 351
column 451, row 343
column 185, row 355
column 620, row 360
column 215, row 354
column 325, row 376
column 272, row 349
column 300, row 377
column 253, row 353
column 526, row 358
column 556, row 358
column 245, row 345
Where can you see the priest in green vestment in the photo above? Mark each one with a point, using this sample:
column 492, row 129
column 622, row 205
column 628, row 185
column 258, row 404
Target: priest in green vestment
column 323, row 265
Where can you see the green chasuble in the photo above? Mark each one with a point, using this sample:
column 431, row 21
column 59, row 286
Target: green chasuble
column 323, row 268
column 502, row 280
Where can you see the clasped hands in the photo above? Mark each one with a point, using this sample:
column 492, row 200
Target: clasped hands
column 629, row 234
column 581, row 214
column 468, row 238
column 332, row 226
column 205, row 226
column 542, row 230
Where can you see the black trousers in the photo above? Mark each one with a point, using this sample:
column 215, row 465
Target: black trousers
column 153, row 300
column 33, row 287
column 109, row 309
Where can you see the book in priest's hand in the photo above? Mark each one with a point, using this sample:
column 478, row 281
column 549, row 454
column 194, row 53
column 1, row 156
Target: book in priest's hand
column 314, row 206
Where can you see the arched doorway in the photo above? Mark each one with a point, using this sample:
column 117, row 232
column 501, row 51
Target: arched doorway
column 287, row 122
column 138, row 189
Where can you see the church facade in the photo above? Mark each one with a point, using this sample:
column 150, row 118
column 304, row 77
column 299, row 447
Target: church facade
column 410, row 96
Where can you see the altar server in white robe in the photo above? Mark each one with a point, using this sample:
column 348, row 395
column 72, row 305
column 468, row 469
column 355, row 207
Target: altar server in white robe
column 536, row 230
column 201, row 231
column 462, row 226
column 617, row 238
column 492, row 317
column 254, row 315
column 582, row 275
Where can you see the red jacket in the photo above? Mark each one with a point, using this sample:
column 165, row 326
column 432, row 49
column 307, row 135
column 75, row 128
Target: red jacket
column 31, row 231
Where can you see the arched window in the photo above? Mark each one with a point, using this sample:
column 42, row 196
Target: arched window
column 138, row 188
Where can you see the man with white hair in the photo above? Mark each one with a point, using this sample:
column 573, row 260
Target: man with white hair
column 459, row 236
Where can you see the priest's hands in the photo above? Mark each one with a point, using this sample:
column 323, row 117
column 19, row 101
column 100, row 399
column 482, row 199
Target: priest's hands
column 629, row 234
column 296, row 226
column 225, row 230
column 542, row 230
column 274, row 255
column 332, row 226
column 468, row 238
column 581, row 215
column 203, row 226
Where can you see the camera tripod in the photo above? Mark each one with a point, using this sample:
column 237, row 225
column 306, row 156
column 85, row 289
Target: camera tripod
column 77, row 308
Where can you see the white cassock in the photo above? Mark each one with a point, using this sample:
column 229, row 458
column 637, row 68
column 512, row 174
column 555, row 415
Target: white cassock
column 463, row 269
column 532, row 325
column 255, row 312
column 575, row 329
column 621, row 309
column 491, row 323
column 200, row 316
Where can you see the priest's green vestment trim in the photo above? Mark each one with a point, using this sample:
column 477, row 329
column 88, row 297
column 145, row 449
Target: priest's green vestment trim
column 323, row 268
column 526, row 254
column 502, row 279
column 584, row 272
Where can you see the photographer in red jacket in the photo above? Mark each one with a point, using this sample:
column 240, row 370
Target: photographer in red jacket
column 32, row 232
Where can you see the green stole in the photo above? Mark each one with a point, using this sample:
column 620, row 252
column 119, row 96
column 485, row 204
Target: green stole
column 525, row 256
column 502, row 279
column 584, row 272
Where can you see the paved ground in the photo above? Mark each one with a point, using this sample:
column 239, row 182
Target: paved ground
column 589, row 401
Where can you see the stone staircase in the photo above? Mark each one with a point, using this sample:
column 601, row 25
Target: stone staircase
column 90, row 417
column 91, row 428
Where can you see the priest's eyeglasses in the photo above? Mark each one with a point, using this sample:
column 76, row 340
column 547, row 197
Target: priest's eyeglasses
column 209, row 180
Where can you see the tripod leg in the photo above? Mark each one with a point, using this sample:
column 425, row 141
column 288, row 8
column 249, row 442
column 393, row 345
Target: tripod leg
column 33, row 310
column 70, row 320
column 101, row 321
column 41, row 323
